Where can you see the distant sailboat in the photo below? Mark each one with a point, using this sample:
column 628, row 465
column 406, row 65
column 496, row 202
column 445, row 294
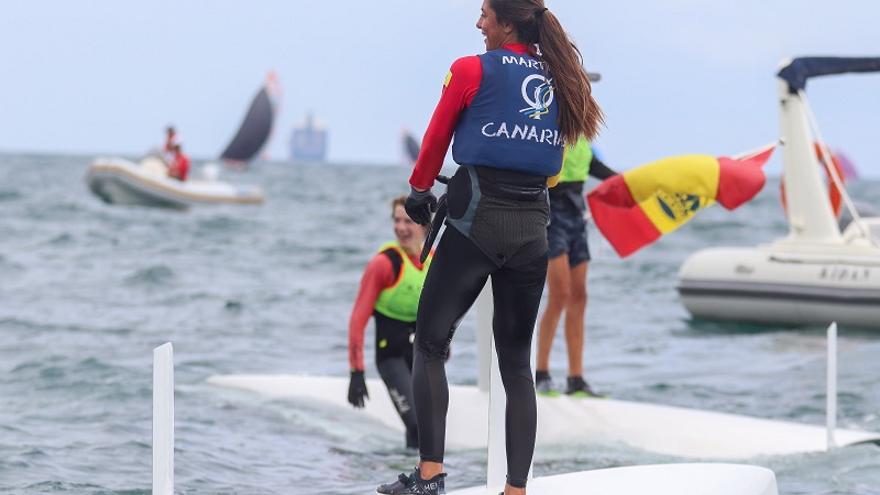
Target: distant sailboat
column 411, row 148
column 256, row 127
column 308, row 143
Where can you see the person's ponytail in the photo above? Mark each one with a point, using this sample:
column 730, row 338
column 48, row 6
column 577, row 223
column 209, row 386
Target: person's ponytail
column 579, row 114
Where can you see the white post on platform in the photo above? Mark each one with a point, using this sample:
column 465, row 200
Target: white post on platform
column 496, row 462
column 485, row 349
column 831, row 392
column 489, row 381
column 163, row 420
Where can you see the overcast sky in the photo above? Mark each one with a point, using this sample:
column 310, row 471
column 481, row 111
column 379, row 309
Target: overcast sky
column 679, row 76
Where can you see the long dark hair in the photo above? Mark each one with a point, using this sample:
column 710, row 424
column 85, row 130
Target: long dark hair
column 579, row 114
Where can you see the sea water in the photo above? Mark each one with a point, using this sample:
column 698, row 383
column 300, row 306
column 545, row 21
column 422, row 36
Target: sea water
column 88, row 289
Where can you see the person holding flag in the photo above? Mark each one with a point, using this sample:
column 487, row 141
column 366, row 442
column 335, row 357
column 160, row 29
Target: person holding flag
column 567, row 270
column 631, row 210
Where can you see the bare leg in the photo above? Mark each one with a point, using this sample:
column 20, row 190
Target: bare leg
column 559, row 286
column 574, row 319
column 429, row 469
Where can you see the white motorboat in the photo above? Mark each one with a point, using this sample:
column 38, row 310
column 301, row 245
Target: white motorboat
column 120, row 181
column 816, row 274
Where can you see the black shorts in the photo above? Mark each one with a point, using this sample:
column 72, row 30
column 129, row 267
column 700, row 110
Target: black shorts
column 567, row 233
column 394, row 338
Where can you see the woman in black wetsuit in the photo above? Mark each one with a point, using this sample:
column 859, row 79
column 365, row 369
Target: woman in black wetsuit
column 511, row 110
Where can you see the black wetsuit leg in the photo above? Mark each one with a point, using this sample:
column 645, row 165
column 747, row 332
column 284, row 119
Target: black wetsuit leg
column 516, row 293
column 456, row 276
column 394, row 360
column 397, row 375
column 497, row 226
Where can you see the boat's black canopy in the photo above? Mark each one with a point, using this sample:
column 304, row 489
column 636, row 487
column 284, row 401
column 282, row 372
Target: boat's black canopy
column 802, row 68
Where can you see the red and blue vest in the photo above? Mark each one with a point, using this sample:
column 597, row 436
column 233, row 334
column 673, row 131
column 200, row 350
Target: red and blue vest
column 512, row 122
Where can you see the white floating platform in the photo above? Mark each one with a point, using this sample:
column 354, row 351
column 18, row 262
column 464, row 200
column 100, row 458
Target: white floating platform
column 675, row 431
column 669, row 479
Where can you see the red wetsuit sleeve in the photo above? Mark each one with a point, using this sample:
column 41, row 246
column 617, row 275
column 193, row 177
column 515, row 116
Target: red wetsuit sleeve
column 462, row 84
column 378, row 276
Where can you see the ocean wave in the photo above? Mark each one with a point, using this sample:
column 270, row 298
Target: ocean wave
column 63, row 239
column 54, row 211
column 9, row 195
column 31, row 326
column 9, row 266
column 221, row 224
column 152, row 275
column 233, row 306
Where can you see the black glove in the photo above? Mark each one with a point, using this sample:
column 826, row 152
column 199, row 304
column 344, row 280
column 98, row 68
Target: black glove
column 357, row 389
column 419, row 206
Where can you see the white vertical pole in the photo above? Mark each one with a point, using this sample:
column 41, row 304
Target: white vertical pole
column 490, row 382
column 831, row 392
column 496, row 463
column 163, row 420
column 534, row 365
column 484, row 338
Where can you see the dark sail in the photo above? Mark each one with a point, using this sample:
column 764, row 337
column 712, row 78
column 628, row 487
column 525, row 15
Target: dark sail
column 411, row 147
column 254, row 130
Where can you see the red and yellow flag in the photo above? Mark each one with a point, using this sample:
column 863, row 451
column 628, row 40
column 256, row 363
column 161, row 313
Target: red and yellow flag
column 635, row 208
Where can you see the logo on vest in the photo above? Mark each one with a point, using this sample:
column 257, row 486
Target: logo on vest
column 537, row 91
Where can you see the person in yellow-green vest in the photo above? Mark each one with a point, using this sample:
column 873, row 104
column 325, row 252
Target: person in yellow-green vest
column 567, row 270
column 389, row 292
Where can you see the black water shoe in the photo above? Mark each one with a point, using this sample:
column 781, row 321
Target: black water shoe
column 577, row 387
column 544, row 384
column 413, row 484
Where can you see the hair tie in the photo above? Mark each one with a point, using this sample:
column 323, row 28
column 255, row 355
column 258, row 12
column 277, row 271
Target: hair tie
column 540, row 12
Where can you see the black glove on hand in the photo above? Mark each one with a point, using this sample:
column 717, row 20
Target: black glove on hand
column 419, row 206
column 357, row 389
